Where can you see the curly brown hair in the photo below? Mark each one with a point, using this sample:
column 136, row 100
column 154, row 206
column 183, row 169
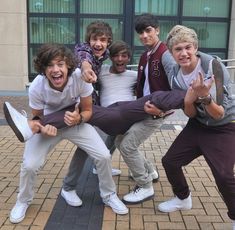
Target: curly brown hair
column 49, row 52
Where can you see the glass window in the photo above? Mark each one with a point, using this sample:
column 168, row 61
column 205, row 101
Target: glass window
column 65, row 21
column 210, row 34
column 136, row 56
column 206, row 8
column 59, row 30
column 32, row 54
column 101, row 6
column 218, row 54
column 158, row 7
column 51, row 6
column 116, row 25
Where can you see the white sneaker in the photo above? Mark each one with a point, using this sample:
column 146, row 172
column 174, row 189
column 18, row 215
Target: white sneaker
column 154, row 175
column 116, row 204
column 139, row 195
column 176, row 204
column 71, row 198
column 233, row 224
column 17, row 122
column 115, row 172
column 18, row 212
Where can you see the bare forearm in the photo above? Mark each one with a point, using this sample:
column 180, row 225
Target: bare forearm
column 190, row 109
column 214, row 110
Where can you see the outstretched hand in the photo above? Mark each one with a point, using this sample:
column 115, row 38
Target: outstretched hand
column 89, row 76
column 88, row 73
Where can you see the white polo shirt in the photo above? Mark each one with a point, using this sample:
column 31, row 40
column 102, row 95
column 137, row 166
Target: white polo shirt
column 43, row 97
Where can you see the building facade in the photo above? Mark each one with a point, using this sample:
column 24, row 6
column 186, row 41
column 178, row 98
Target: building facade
column 25, row 25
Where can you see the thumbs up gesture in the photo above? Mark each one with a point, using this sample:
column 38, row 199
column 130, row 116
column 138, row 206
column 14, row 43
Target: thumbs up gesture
column 73, row 118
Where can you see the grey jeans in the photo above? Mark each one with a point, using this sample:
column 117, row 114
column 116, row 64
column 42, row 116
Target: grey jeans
column 79, row 159
column 128, row 146
column 37, row 148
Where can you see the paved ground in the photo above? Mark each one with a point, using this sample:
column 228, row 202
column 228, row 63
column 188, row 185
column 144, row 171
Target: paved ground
column 49, row 211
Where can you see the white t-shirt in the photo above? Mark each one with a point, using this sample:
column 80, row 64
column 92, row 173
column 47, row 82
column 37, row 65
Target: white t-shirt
column 188, row 78
column 116, row 87
column 146, row 89
column 43, row 97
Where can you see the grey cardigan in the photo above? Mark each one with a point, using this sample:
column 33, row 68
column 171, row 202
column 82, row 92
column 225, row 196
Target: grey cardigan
column 228, row 103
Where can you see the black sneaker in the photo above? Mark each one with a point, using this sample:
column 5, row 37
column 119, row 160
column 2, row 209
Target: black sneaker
column 219, row 81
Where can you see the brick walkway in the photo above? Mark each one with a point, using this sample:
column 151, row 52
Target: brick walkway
column 209, row 211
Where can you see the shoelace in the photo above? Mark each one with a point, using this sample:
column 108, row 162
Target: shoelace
column 137, row 189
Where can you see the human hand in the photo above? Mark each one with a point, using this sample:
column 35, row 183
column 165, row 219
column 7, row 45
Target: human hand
column 87, row 72
column 89, row 76
column 152, row 109
column 190, row 96
column 72, row 118
column 202, row 87
column 49, row 130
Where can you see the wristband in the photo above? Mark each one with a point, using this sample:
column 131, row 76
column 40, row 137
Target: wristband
column 160, row 115
column 205, row 100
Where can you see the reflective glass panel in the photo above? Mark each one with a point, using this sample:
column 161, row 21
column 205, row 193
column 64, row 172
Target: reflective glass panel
column 52, row 6
column 206, row 8
column 101, row 6
column 218, row 54
column 210, row 34
column 59, row 30
column 32, row 54
column 136, row 56
column 158, row 7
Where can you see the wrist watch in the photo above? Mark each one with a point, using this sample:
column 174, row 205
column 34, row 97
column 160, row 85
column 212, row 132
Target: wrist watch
column 205, row 100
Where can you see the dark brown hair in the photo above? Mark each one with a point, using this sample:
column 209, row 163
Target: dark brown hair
column 99, row 28
column 144, row 20
column 49, row 52
column 118, row 46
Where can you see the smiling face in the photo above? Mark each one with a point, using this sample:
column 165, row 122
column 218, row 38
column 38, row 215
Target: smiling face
column 149, row 37
column 99, row 44
column 184, row 54
column 57, row 73
column 183, row 44
column 119, row 62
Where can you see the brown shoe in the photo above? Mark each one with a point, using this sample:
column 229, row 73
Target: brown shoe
column 219, row 81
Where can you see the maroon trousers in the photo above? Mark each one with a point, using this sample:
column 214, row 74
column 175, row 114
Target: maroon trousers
column 119, row 117
column 217, row 145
